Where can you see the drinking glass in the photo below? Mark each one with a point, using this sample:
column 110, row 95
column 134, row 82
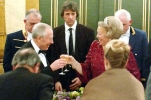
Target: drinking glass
column 64, row 56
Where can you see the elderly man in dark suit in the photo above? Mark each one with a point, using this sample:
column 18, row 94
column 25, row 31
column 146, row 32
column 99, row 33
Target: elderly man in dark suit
column 15, row 40
column 24, row 82
column 73, row 39
column 42, row 35
column 137, row 40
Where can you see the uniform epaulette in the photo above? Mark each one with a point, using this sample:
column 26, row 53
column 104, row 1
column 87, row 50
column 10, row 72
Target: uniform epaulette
column 133, row 31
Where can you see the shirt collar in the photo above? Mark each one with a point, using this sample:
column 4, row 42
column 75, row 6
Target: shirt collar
column 128, row 32
column 35, row 46
column 73, row 27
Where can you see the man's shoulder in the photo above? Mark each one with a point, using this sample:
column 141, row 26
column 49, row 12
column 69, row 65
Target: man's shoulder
column 84, row 27
column 15, row 33
column 139, row 31
column 62, row 27
column 27, row 45
column 41, row 76
column 59, row 27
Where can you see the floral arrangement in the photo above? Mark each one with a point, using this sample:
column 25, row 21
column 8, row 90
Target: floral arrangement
column 73, row 95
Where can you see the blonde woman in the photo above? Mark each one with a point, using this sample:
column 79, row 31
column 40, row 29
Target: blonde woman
column 116, row 83
column 110, row 28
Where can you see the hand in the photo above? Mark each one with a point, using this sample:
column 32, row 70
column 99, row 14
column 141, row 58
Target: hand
column 58, row 86
column 69, row 59
column 64, row 56
column 59, row 63
column 76, row 84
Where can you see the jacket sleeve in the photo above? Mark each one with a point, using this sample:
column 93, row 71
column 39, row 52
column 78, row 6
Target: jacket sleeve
column 8, row 55
column 46, row 89
column 47, row 70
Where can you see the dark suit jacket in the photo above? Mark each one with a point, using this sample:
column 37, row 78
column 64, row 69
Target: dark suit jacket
column 14, row 41
column 138, row 42
column 45, row 70
column 84, row 38
column 21, row 84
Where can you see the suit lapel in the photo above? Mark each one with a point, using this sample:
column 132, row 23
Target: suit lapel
column 61, row 40
column 30, row 45
column 132, row 38
column 77, row 39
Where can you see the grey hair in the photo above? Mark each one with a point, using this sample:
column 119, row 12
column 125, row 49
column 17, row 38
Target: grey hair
column 33, row 11
column 27, row 57
column 39, row 30
column 123, row 12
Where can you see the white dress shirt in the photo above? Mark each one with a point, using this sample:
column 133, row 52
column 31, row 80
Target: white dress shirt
column 67, row 34
column 41, row 55
column 29, row 36
column 125, row 37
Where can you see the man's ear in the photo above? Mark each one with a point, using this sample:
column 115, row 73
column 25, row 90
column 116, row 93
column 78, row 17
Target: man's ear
column 130, row 22
column 36, row 68
column 24, row 21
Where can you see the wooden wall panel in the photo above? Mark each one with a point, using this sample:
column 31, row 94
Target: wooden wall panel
column 32, row 4
column 2, row 29
column 2, row 33
column 140, row 14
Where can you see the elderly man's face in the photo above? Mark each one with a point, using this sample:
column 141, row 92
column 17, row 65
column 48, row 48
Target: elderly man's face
column 126, row 23
column 32, row 19
column 47, row 40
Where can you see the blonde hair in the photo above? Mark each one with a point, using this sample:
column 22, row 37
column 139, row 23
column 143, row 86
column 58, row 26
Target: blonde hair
column 117, row 52
column 113, row 26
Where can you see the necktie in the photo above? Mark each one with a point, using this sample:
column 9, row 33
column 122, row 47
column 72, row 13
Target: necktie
column 41, row 51
column 71, row 52
column 44, row 55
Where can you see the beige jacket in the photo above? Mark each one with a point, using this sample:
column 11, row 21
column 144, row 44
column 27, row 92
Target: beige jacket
column 114, row 84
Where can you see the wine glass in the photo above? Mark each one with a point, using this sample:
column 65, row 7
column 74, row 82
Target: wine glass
column 66, row 70
column 64, row 56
